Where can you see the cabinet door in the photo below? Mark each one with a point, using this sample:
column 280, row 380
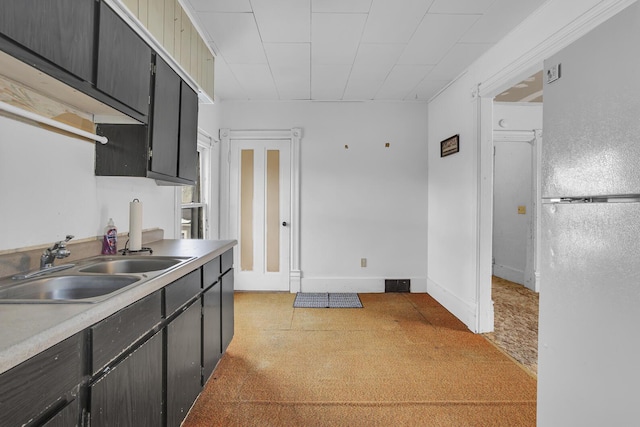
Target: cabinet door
column 124, row 62
column 51, row 377
column 165, row 122
column 131, row 393
column 188, row 158
column 211, row 331
column 113, row 335
column 61, row 31
column 227, row 309
column 68, row 416
column 183, row 363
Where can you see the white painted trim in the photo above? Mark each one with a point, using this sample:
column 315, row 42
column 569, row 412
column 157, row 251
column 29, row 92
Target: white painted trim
column 484, row 220
column 527, row 136
column 204, row 135
column 537, row 254
column 343, row 284
column 295, row 274
column 356, row 284
column 532, row 59
column 463, row 310
column 294, row 136
column 509, row 273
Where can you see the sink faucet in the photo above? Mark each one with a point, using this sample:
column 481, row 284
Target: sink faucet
column 58, row 250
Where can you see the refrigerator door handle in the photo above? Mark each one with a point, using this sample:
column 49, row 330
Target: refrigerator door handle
column 599, row 199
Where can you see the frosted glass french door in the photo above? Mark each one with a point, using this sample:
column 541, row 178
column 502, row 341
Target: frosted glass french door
column 260, row 208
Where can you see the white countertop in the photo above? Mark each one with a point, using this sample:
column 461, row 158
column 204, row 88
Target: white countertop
column 28, row 329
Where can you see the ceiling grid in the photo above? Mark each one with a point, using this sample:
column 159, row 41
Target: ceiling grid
column 352, row 50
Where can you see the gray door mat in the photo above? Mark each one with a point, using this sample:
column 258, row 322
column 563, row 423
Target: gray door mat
column 327, row 300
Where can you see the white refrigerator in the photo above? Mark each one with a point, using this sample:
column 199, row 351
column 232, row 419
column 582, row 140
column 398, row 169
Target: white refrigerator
column 589, row 337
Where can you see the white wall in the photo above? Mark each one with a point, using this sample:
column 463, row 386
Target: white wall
column 365, row 202
column 511, row 188
column 460, row 183
column 48, row 189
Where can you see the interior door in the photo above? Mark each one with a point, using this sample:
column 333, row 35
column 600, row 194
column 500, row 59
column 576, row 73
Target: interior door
column 260, row 209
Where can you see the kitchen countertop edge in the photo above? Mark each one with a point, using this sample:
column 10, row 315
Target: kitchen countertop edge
column 57, row 322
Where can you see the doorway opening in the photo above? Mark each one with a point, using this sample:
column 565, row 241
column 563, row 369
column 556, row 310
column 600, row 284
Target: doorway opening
column 516, row 143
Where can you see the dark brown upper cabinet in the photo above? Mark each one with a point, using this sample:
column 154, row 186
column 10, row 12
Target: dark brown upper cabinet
column 61, row 31
column 188, row 146
column 165, row 150
column 165, row 121
column 124, row 62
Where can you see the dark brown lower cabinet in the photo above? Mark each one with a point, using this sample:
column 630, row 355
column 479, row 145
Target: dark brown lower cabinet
column 211, row 331
column 39, row 387
column 183, row 363
column 68, row 416
column 226, row 309
column 130, row 394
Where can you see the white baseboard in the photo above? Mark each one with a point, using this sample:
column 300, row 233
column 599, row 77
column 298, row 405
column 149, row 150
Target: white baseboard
column 463, row 310
column 419, row 285
column 355, row 284
column 509, row 273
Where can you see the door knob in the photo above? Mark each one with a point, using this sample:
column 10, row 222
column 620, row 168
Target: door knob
column 284, row 223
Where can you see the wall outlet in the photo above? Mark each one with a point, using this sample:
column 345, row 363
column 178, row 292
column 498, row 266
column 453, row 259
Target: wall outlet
column 363, row 262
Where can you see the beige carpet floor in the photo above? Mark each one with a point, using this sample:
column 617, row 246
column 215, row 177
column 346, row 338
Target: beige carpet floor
column 402, row 360
column 515, row 322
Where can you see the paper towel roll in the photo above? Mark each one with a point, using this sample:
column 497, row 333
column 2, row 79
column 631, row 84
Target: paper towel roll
column 135, row 225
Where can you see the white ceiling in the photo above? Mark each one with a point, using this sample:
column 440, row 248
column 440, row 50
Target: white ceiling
column 348, row 49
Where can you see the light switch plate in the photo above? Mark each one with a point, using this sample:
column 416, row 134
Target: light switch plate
column 553, row 73
column 522, row 210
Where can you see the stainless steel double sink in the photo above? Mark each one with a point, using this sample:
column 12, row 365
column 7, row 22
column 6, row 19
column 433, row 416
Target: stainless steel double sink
column 89, row 281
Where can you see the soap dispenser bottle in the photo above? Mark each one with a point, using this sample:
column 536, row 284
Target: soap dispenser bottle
column 110, row 240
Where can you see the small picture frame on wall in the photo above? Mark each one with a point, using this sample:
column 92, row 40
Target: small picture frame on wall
column 450, row 146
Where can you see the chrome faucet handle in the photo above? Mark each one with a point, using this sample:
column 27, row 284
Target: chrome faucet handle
column 61, row 243
column 58, row 250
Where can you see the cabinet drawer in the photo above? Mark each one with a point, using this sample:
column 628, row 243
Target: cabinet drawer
column 112, row 336
column 33, row 386
column 181, row 291
column 210, row 272
column 226, row 261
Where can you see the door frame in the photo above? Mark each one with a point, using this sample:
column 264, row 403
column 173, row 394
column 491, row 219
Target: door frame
column 533, row 138
column 482, row 95
column 294, row 136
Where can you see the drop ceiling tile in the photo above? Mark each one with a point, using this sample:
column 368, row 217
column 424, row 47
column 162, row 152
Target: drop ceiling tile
column 286, row 21
column 328, row 81
column 340, row 6
column 426, row 89
column 335, row 37
column 461, row 6
column 236, row 37
column 435, row 36
column 373, row 64
column 457, row 60
column 502, row 17
column 221, row 5
column 226, row 85
column 402, row 80
column 394, row 21
column 290, row 65
column 256, row 80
